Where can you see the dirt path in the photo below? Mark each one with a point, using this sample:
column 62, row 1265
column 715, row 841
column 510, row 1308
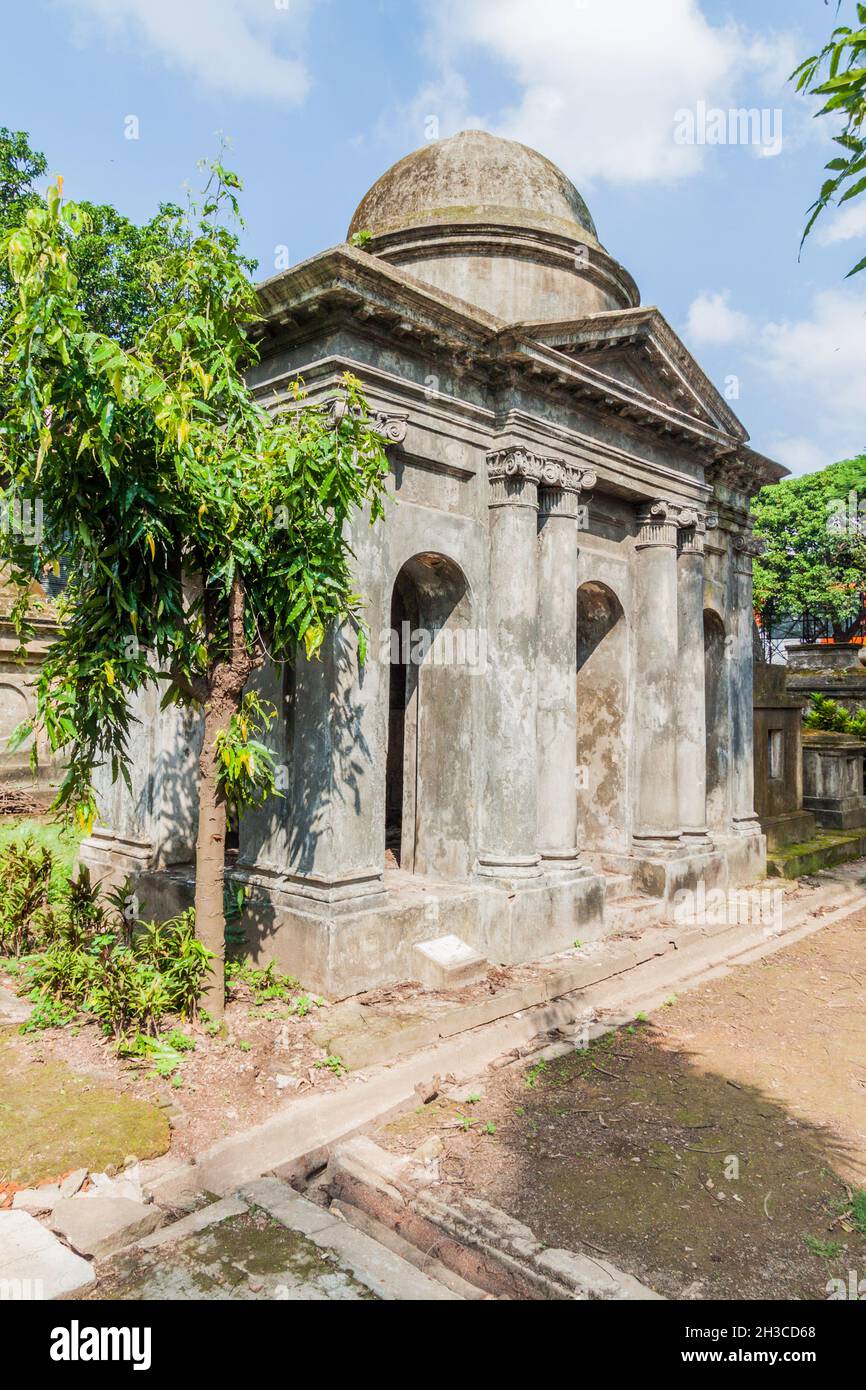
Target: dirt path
column 711, row 1150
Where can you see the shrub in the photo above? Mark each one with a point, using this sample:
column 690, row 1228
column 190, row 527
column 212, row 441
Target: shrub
column 263, row 985
column 85, row 956
column 25, row 896
column 127, row 986
column 828, row 715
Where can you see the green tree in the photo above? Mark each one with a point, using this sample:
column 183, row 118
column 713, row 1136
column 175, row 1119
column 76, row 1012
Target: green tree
column 117, row 264
column 815, row 529
column 838, row 74
column 198, row 531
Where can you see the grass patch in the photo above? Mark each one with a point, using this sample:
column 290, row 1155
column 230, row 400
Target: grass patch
column 61, row 840
column 53, row 1119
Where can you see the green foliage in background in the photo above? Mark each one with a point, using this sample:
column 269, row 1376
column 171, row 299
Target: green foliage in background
column 815, row 529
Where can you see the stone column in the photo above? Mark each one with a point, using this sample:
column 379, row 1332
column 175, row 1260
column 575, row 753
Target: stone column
column 557, row 646
column 691, row 703
column 657, row 824
column 745, row 822
column 510, row 816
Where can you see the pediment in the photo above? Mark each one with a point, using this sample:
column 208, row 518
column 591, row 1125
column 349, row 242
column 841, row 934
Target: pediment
column 639, row 349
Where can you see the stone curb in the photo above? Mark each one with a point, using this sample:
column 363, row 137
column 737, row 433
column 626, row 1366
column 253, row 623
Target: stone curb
column 376, row 1266
column 478, row 1241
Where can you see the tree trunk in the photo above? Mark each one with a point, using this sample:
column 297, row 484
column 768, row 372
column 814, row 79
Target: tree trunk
column 210, row 861
column 224, row 690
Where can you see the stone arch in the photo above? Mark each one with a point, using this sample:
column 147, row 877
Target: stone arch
column 718, row 721
column 14, row 707
column 434, row 654
column 602, row 713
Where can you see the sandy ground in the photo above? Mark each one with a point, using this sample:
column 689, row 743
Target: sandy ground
column 713, row 1149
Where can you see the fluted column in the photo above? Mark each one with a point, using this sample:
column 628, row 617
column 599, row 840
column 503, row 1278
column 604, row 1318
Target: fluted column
column 656, row 824
column 557, row 643
column 691, row 701
column 745, row 822
column 509, row 813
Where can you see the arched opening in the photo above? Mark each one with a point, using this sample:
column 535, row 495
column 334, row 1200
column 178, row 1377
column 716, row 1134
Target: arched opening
column 428, row 776
column 717, row 721
column 602, row 706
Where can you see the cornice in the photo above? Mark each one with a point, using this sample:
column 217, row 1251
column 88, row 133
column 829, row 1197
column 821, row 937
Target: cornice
column 370, row 291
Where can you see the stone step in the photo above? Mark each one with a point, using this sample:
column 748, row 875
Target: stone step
column 829, row 848
column 34, row 1264
column 472, row 1237
column 636, row 911
column 379, row 1268
column 421, row 1259
column 616, row 887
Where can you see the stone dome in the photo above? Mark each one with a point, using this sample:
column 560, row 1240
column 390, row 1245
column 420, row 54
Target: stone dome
column 496, row 224
column 474, row 177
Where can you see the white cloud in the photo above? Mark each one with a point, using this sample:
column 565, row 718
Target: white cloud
column 599, row 83
column 850, row 222
column 245, row 47
column 711, row 320
column 818, row 366
column 810, row 370
column 823, row 356
column 798, row 454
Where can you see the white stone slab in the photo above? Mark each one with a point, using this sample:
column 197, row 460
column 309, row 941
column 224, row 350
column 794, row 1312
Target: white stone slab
column 98, row 1226
column 446, row 960
column 13, row 1009
column 448, row 950
column 34, row 1264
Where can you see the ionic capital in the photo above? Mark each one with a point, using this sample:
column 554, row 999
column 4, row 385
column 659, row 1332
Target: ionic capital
column 657, row 524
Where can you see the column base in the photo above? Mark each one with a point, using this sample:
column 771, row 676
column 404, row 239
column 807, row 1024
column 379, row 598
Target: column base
column 697, row 841
column 323, row 889
column 659, row 844
column 508, row 866
column 562, row 861
column 747, row 825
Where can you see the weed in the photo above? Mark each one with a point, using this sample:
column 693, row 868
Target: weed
column 827, row 1250
column 858, row 1210
column 534, row 1073
column 263, row 985
column 48, row 1013
column 334, row 1064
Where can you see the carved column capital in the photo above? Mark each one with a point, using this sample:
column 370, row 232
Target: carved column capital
column 561, row 486
column 392, row 424
column 747, row 547
column 657, row 524
column 692, row 525
column 514, row 474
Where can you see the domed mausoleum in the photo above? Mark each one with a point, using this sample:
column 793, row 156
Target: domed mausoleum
column 552, row 734
column 496, row 224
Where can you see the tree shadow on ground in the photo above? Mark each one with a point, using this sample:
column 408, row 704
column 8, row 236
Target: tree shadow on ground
column 701, row 1187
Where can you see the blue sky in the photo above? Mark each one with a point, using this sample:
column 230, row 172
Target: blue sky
column 320, row 96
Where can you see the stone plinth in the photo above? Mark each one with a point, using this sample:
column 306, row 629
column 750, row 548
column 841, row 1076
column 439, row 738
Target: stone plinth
column 824, row 656
column 778, row 760
column 833, row 779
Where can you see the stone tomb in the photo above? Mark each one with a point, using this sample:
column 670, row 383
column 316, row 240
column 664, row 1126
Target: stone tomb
column 834, row 786
column 558, row 694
